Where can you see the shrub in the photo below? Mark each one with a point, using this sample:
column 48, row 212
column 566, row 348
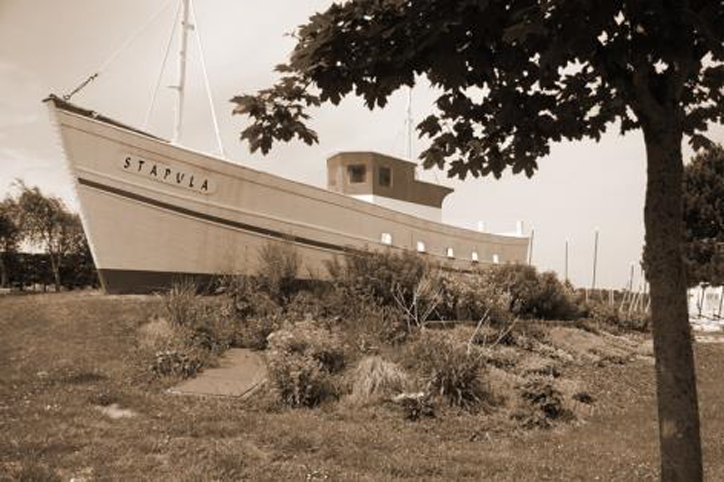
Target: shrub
column 535, row 295
column 301, row 360
column 248, row 298
column 178, row 363
column 305, row 305
column 541, row 403
column 613, row 317
column 181, row 302
column 279, row 264
column 472, row 296
column 414, row 407
column 254, row 332
column 448, row 369
column 375, row 377
column 377, row 276
column 299, row 380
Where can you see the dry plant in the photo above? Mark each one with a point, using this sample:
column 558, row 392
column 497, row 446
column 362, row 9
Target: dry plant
column 421, row 303
column 377, row 377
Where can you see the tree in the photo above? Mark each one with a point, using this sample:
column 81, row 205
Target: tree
column 704, row 217
column 9, row 237
column 45, row 221
column 517, row 76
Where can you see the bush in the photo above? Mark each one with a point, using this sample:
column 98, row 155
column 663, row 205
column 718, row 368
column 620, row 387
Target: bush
column 248, row 298
column 535, row 295
column 301, row 361
column 375, row 377
column 254, row 332
column 448, row 369
column 472, row 296
column 541, row 403
column 178, row 363
column 377, row 276
column 610, row 316
column 181, row 302
column 279, row 264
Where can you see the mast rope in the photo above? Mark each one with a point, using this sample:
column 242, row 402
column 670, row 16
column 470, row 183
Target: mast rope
column 115, row 54
column 220, row 145
column 163, row 67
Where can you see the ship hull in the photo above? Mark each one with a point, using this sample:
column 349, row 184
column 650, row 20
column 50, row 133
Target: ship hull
column 154, row 213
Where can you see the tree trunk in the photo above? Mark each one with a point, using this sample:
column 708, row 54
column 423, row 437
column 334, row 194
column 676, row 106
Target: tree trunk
column 55, row 268
column 4, row 272
column 680, row 441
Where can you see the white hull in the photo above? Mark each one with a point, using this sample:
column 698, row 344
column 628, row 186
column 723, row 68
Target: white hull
column 143, row 232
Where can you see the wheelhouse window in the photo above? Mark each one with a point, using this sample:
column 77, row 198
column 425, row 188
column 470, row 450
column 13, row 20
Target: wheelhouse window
column 385, row 176
column 357, row 173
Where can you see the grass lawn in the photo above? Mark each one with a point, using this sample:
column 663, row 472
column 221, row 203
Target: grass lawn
column 63, row 355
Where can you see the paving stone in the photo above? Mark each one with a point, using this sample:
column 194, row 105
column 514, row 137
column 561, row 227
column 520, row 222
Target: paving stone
column 240, row 372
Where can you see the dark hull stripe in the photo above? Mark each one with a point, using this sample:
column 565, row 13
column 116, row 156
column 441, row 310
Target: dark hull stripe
column 215, row 219
column 126, row 281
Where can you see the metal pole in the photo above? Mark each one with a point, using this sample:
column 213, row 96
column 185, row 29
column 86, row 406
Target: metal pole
column 185, row 26
column 630, row 278
column 595, row 261
column 530, row 247
column 565, row 270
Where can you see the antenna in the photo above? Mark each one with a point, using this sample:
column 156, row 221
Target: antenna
column 180, row 88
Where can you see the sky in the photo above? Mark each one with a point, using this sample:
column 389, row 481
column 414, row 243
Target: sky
column 47, row 46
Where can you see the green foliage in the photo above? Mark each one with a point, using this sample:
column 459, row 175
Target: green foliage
column 535, row 295
column 448, row 369
column 302, row 360
column 704, row 217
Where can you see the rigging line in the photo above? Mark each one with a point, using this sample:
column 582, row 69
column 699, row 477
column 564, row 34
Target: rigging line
column 206, row 80
column 118, row 52
column 163, row 66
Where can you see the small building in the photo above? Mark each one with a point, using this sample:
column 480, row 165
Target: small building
column 386, row 181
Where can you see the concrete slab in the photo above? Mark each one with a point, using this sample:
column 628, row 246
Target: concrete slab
column 240, row 372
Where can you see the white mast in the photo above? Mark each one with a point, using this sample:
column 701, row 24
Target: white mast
column 185, row 26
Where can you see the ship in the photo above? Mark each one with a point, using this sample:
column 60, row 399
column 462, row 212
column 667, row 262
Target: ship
column 155, row 212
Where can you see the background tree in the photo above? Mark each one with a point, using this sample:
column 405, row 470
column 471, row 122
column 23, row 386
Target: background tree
column 704, row 217
column 9, row 238
column 517, row 76
column 45, row 221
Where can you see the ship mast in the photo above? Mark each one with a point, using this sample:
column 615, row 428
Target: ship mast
column 408, row 126
column 180, row 88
